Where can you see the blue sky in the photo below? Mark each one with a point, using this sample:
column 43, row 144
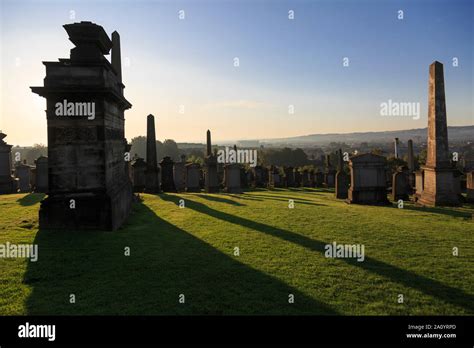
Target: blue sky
column 171, row 64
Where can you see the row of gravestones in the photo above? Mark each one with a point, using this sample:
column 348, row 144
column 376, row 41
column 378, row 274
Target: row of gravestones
column 24, row 177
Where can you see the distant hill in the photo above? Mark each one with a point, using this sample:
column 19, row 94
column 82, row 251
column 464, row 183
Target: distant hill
column 460, row 133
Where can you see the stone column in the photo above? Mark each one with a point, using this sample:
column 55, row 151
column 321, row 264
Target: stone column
column 211, row 179
column 152, row 172
column 439, row 176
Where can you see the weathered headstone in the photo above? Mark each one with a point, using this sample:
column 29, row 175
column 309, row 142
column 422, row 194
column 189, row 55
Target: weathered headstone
column 41, row 174
column 470, row 187
column 258, row 176
column 396, row 147
column 368, row 185
column 318, row 179
column 8, row 184
column 289, row 176
column 411, row 165
column 88, row 185
column 400, row 185
column 23, row 173
column 232, row 178
column 297, row 175
column 179, row 174
column 193, row 177
column 305, row 180
column 439, row 177
column 342, row 185
column 211, row 179
column 167, row 180
column 139, row 174
column 329, row 174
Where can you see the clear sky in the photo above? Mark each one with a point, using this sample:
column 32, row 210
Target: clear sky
column 169, row 62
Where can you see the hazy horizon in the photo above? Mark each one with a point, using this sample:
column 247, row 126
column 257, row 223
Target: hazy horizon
column 168, row 62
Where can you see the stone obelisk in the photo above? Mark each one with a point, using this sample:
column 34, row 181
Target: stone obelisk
column 438, row 183
column 152, row 182
column 211, row 180
column 411, row 164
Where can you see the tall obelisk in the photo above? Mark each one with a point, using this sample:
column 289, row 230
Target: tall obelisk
column 211, row 181
column 439, row 184
column 152, row 183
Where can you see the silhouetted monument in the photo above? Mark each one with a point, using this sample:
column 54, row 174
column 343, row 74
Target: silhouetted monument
column 41, row 174
column 289, row 176
column 88, row 185
column 167, row 180
column 318, row 179
column 305, row 180
column 152, row 171
column 438, row 182
column 258, row 177
column 211, row 180
column 23, row 174
column 297, row 175
column 368, row 185
column 342, row 180
column 396, row 147
column 8, row 184
column 179, row 174
column 139, row 174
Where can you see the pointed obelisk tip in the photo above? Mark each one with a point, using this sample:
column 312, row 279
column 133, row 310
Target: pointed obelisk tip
column 116, row 55
column 436, row 63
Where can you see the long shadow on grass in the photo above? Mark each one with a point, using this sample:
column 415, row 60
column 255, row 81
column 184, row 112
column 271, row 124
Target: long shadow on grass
column 218, row 199
column 165, row 261
column 31, row 199
column 443, row 211
column 410, row 279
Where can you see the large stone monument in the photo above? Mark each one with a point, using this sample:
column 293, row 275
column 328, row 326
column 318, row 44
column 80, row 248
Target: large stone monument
column 439, row 176
column 400, row 185
column 368, row 185
column 8, row 184
column 342, row 180
column 41, row 174
column 211, row 180
column 152, row 184
column 88, row 185
column 329, row 173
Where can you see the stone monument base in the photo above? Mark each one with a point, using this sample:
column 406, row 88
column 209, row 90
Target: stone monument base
column 438, row 188
column 368, row 196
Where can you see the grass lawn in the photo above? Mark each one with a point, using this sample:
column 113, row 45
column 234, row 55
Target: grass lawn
column 190, row 251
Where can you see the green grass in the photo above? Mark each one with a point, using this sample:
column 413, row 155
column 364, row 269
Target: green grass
column 190, row 251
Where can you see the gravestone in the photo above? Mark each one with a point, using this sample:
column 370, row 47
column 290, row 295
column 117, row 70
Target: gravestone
column 368, row 185
column 258, row 176
column 179, row 174
column 329, row 174
column 243, row 178
column 167, row 180
column 41, row 174
column 289, row 176
column 138, row 174
column 342, row 185
column 193, row 177
column 470, row 187
column 318, row 179
column 8, row 183
column 152, row 184
column 411, row 165
column 211, row 179
column 419, row 183
column 312, row 178
column 88, row 186
column 396, row 147
column 400, row 185
column 232, row 178
column 23, row 174
column 297, row 175
column 439, row 177
column 305, row 180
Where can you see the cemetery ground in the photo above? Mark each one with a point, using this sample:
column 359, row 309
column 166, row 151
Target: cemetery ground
column 191, row 251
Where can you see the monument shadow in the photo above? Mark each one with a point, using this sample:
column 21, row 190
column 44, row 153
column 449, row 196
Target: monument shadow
column 165, row 261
